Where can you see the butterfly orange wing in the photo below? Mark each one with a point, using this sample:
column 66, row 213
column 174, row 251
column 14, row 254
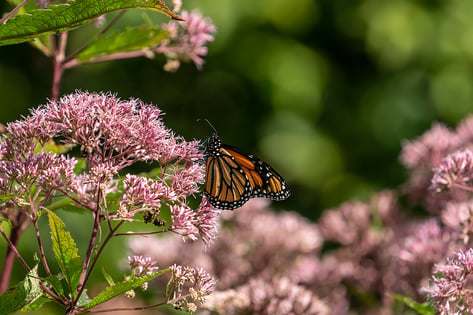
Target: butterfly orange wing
column 233, row 177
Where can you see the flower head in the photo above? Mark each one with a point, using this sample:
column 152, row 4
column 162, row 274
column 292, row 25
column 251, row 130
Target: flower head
column 458, row 218
column 455, row 169
column 279, row 296
column 347, row 223
column 190, row 223
column 142, row 266
column 108, row 129
column 187, row 40
column 107, row 135
column 430, row 148
column 448, row 289
column 189, row 283
column 423, row 155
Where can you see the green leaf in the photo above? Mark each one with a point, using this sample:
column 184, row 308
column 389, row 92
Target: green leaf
column 131, row 39
column 24, row 293
column 65, row 17
column 84, row 298
column 36, row 304
column 108, row 277
column 61, row 203
column 7, row 197
column 120, row 288
column 80, row 166
column 56, row 284
column 57, row 148
column 424, row 308
column 66, row 252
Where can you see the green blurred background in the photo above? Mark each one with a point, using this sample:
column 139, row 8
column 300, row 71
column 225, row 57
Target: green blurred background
column 325, row 91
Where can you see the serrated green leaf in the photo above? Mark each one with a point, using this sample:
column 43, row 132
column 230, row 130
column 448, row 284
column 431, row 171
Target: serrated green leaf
column 130, row 40
column 65, row 251
column 65, row 17
column 120, row 288
column 424, row 308
column 22, row 294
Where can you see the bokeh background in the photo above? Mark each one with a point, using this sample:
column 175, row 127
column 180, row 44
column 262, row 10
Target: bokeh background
column 325, row 91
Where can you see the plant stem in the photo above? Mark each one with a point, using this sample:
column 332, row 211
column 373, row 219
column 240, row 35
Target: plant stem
column 58, row 63
column 122, row 55
column 94, row 261
column 88, row 255
column 9, row 14
column 11, row 253
column 40, row 245
column 136, row 308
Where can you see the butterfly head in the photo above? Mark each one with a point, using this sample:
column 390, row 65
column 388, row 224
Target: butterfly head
column 212, row 145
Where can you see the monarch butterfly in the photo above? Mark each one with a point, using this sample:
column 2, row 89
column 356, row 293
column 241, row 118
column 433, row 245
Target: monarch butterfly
column 233, row 176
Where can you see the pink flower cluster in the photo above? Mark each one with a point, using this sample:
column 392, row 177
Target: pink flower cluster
column 187, row 40
column 424, row 156
column 456, row 170
column 259, row 261
column 188, row 285
column 79, row 146
column 277, row 296
column 449, row 291
column 142, row 266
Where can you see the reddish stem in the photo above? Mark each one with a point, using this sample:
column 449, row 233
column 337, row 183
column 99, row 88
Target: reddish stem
column 58, row 64
column 10, row 255
column 97, row 255
column 9, row 14
column 122, row 55
column 57, row 76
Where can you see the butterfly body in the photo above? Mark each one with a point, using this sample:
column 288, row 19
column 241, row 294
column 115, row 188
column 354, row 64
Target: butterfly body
column 234, row 176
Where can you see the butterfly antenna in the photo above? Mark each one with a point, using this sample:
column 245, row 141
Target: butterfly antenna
column 208, row 122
